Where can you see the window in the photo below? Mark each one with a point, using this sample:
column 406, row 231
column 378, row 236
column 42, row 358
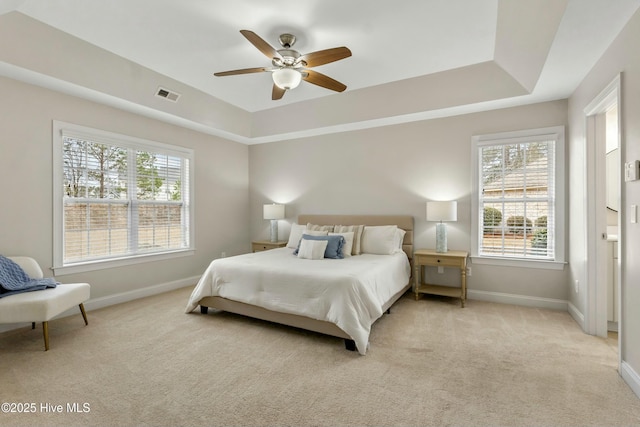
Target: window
column 118, row 198
column 518, row 201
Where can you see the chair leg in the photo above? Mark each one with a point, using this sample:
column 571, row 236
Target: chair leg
column 45, row 332
column 45, row 327
column 33, row 325
column 84, row 314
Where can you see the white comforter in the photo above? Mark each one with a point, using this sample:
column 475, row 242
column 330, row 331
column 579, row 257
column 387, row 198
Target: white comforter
column 348, row 292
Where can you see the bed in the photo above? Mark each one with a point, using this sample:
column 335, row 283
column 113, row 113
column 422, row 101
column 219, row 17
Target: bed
column 337, row 297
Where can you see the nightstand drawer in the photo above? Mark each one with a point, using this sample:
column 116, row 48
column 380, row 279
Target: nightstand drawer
column 439, row 262
column 259, row 246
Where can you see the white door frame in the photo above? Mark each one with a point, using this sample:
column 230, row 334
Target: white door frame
column 595, row 316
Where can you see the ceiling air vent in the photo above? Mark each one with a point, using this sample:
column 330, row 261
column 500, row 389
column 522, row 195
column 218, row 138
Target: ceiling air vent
column 167, row 94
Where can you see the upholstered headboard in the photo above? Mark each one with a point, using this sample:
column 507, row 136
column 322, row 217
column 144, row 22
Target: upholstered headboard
column 404, row 222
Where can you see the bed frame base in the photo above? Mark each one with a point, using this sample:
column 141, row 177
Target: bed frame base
column 296, row 321
column 349, row 344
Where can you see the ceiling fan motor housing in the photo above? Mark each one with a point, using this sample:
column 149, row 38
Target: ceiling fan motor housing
column 289, row 59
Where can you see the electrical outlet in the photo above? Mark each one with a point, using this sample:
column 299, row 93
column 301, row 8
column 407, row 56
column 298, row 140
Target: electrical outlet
column 468, row 271
column 577, row 285
column 223, row 255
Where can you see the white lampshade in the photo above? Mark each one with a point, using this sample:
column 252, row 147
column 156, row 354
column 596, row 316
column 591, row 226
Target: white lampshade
column 273, row 211
column 442, row 211
column 286, row 78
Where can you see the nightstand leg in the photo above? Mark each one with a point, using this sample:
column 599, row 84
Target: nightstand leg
column 416, row 280
column 463, row 283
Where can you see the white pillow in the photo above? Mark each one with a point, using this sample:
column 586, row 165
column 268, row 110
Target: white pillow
column 312, row 249
column 357, row 235
column 348, row 242
column 379, row 240
column 295, row 235
column 399, row 238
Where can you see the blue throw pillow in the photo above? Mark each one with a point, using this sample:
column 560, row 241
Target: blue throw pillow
column 334, row 245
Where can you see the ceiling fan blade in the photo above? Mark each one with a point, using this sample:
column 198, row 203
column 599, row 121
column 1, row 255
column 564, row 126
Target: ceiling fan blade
column 242, row 71
column 262, row 45
column 277, row 92
column 326, row 56
column 322, row 80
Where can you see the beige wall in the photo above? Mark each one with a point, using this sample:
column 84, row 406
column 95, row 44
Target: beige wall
column 621, row 57
column 221, row 185
column 394, row 170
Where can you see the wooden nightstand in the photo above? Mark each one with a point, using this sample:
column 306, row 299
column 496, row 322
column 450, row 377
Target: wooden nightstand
column 429, row 257
column 265, row 245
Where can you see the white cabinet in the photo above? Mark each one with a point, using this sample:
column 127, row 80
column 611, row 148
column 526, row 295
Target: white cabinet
column 612, row 288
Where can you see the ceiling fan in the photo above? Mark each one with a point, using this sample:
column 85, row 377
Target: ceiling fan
column 290, row 67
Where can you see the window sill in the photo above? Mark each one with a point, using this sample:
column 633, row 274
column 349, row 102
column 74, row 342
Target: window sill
column 518, row 262
column 119, row 262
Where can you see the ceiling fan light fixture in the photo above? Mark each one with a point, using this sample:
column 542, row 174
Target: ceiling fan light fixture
column 286, row 78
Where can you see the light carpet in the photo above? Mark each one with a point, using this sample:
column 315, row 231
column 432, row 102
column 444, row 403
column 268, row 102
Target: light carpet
column 147, row 363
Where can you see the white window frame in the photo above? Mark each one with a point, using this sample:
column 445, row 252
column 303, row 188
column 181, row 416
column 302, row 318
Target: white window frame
column 62, row 129
column 530, row 135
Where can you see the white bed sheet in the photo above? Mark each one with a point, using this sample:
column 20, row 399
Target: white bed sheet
column 348, row 292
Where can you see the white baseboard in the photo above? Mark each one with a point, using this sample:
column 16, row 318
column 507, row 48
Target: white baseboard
column 525, row 300
column 119, row 298
column 631, row 377
column 577, row 315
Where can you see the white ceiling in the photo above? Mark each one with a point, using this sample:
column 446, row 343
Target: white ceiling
column 508, row 53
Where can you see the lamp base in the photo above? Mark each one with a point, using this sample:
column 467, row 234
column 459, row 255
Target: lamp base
column 441, row 237
column 274, row 230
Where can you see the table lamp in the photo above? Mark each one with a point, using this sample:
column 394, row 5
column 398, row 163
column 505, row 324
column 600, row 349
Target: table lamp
column 273, row 212
column 442, row 211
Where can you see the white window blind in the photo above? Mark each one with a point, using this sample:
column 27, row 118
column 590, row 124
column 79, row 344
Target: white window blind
column 120, row 197
column 517, row 191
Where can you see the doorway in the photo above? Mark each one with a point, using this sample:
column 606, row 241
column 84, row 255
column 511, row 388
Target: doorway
column 604, row 237
column 612, row 197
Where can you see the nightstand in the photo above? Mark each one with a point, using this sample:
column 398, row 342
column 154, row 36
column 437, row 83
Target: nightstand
column 431, row 258
column 265, row 245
